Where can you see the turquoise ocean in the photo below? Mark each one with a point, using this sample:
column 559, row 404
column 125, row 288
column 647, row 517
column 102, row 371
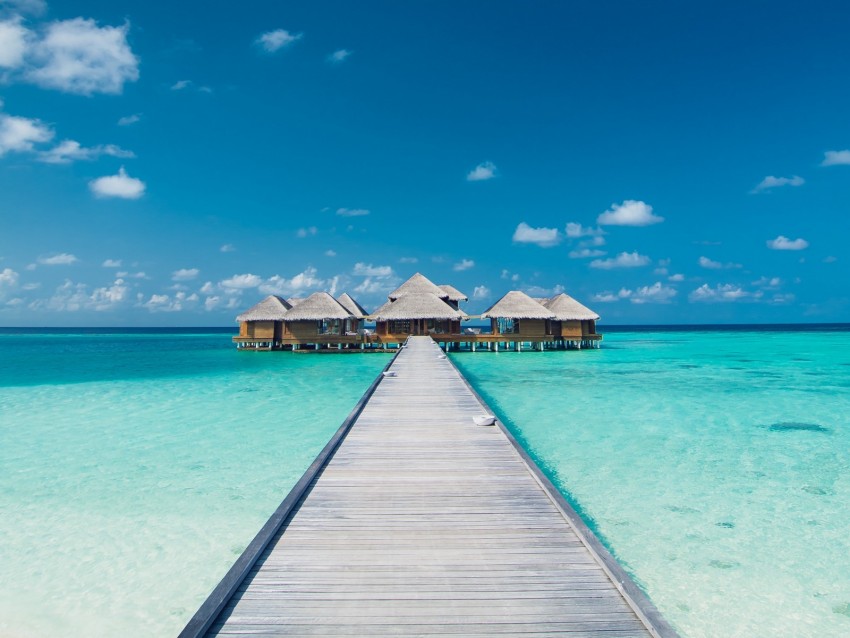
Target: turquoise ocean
column 136, row 465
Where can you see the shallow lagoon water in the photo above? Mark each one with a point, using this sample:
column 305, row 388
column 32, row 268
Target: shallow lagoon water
column 714, row 465
column 137, row 467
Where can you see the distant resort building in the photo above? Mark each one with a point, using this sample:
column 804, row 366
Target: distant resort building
column 321, row 322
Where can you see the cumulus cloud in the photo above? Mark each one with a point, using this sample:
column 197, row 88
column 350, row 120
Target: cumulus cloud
column 338, row 56
column 303, row 281
column 721, row 293
column 710, row 264
column 241, row 282
column 179, row 85
column 73, row 297
column 62, row 259
column 111, row 263
column 605, row 297
column 623, row 260
column 330, row 252
column 771, row 182
column 543, row 237
column 506, row 274
column 20, row 134
column 272, row 41
column 120, row 185
column 585, row 253
column 306, row 232
column 574, row 231
column 630, row 213
column 408, row 260
column 127, row 120
column 368, row 270
column 352, row 212
column 463, row 264
column 78, row 56
column 184, row 274
column 166, row 303
column 656, row 293
column 783, row 243
column 68, row 151
column 482, row 172
column 228, row 248
column 14, row 39
column 481, row 292
column 8, row 277
column 676, row 277
column 836, row 158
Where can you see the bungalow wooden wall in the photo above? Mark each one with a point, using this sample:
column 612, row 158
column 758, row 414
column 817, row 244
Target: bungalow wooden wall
column 303, row 329
column 243, row 329
column 588, row 327
column 262, row 329
column 571, row 328
column 532, row 327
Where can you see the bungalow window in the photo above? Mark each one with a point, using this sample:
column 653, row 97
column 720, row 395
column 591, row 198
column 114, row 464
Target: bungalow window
column 508, row 326
column 329, row 326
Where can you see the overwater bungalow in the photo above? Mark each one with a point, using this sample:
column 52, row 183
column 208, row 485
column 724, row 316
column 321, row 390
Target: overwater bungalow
column 519, row 319
column 415, row 313
column 261, row 326
column 574, row 323
column 455, row 296
column 317, row 321
column 358, row 313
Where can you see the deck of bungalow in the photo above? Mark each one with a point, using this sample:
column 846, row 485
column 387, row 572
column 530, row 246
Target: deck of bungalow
column 415, row 521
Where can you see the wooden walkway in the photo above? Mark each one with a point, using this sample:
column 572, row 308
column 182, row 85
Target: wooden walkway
column 420, row 523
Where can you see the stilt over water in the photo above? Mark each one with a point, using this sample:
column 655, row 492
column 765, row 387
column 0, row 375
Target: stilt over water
column 416, row 521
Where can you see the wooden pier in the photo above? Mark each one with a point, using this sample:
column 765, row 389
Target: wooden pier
column 414, row 521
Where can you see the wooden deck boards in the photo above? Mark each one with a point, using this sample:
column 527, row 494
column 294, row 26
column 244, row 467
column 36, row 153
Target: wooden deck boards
column 424, row 524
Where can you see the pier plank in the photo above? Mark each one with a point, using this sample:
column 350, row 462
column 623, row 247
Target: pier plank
column 419, row 522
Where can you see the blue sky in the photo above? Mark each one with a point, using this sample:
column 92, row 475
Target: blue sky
column 662, row 162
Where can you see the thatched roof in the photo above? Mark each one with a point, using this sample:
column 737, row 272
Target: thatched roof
column 319, row 305
column 517, row 305
column 294, row 301
column 349, row 303
column 418, row 284
column 453, row 293
column 568, row 309
column 272, row 308
column 415, row 306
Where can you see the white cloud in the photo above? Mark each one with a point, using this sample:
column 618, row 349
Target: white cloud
column 574, row 231
column 211, row 303
column 127, row 120
column 77, row 56
column 165, row 303
column 352, row 212
column 305, row 232
column 8, row 277
column 13, row 43
column 481, row 292
column 721, row 293
column 770, row 182
column 482, row 172
column 656, row 293
column 19, row 134
column 710, row 264
column 72, row 297
column 108, row 297
column 780, row 299
column 506, row 274
column 676, row 277
column 463, row 264
column 836, row 158
column 184, row 274
column 135, row 275
column 62, row 259
column 330, row 253
column 768, row 282
column 69, row 150
column 783, row 243
column 623, row 260
column 272, row 41
column 831, row 259
column 120, row 185
column 543, row 237
column 241, row 282
column 408, row 260
column 368, row 270
column 228, row 248
column 208, row 288
column 540, row 291
column 303, row 281
column 111, row 263
column 339, row 56
column 630, row 213
column 33, row 285
column 34, row 7
column 605, row 297
column 584, row 253
column 179, row 85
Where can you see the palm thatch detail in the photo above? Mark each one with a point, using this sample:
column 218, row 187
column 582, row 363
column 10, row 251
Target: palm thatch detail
column 453, row 293
column 272, row 308
column 318, row 306
column 568, row 309
column 418, row 283
column 349, row 303
column 424, row 305
column 517, row 305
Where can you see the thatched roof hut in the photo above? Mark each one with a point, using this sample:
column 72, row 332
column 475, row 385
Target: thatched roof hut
column 318, row 306
column 418, row 283
column 568, row 309
column 424, row 305
column 453, row 293
column 517, row 305
column 349, row 303
column 272, row 308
